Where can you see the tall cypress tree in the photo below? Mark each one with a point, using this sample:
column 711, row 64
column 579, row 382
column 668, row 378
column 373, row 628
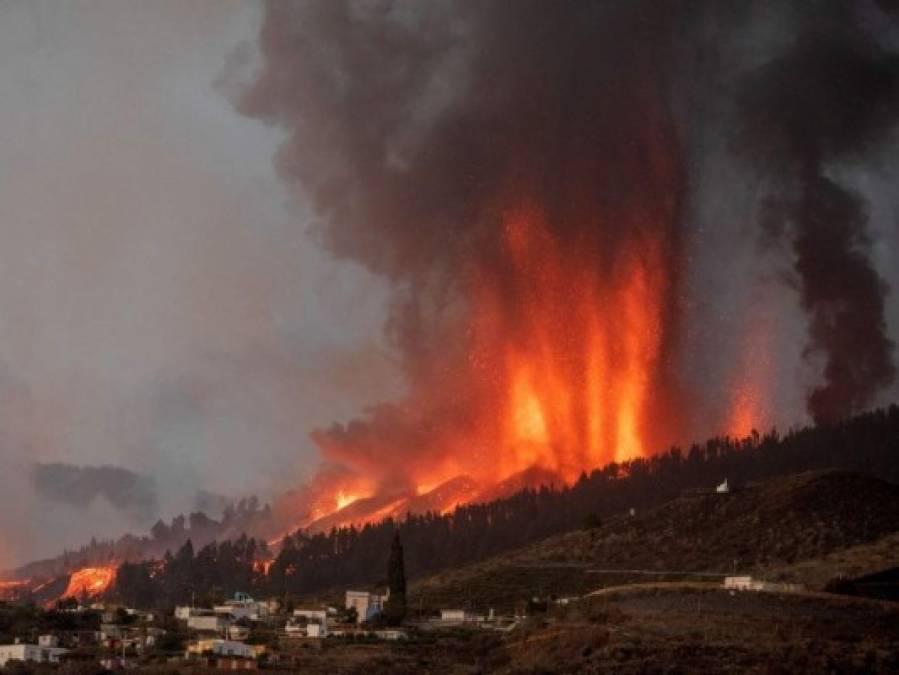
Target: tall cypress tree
column 395, row 609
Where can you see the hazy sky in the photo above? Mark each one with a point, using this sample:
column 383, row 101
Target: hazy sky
column 159, row 308
column 165, row 314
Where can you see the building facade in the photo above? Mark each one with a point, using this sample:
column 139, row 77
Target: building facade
column 367, row 605
column 44, row 652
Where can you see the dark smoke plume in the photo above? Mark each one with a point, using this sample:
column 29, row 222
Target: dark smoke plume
column 413, row 128
column 825, row 104
column 79, row 486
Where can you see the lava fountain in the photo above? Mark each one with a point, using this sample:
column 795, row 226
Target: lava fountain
column 557, row 363
column 577, row 359
column 520, row 187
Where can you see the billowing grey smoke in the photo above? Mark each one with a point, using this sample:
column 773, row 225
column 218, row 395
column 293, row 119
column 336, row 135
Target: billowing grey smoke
column 822, row 106
column 79, row 486
column 413, row 127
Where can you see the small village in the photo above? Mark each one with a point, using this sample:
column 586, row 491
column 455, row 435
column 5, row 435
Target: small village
column 244, row 633
column 447, row 337
column 522, row 608
column 240, row 633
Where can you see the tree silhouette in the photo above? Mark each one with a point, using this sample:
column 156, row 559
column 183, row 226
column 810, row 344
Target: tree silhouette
column 395, row 608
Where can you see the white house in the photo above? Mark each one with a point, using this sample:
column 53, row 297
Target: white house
column 294, row 629
column 45, row 651
column 184, row 613
column 316, row 622
column 391, row 634
column 316, row 630
column 208, row 623
column 235, row 612
column 367, row 605
column 745, row 583
column 458, row 615
column 317, row 615
column 242, row 606
column 312, row 625
column 223, row 648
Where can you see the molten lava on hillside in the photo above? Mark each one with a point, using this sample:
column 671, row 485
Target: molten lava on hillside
column 561, row 370
column 90, row 582
column 534, row 251
column 526, row 181
column 9, row 590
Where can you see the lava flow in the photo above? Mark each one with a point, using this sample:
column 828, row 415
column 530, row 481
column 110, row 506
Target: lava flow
column 90, row 582
column 10, row 589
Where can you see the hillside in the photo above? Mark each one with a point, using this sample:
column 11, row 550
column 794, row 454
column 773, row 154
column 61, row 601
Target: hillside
column 650, row 628
column 308, row 563
column 850, row 563
column 760, row 528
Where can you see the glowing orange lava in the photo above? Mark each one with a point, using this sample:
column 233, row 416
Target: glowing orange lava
column 343, row 500
column 549, row 355
column 563, row 379
column 90, row 582
column 263, row 566
column 9, row 589
column 578, row 362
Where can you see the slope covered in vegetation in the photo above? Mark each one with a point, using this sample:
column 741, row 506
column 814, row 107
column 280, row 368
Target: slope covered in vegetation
column 705, row 535
column 310, row 563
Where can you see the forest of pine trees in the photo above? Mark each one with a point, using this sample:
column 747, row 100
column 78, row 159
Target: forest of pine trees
column 314, row 563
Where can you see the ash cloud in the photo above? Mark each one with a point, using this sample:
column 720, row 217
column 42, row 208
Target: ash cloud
column 79, row 486
column 824, row 105
column 408, row 124
column 413, row 128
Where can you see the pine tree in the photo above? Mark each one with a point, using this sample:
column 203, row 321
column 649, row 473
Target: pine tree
column 395, row 608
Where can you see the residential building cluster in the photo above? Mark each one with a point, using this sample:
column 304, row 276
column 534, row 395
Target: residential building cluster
column 239, row 633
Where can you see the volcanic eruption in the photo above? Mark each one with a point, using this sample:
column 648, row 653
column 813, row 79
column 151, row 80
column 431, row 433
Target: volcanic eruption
column 516, row 172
